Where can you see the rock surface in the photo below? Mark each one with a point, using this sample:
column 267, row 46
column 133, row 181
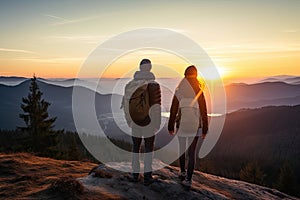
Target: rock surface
column 24, row 176
column 168, row 186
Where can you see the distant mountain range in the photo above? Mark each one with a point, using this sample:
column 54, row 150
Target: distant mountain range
column 59, row 97
column 11, row 80
column 268, row 136
column 61, row 107
column 238, row 96
column 283, row 78
column 272, row 130
column 261, row 94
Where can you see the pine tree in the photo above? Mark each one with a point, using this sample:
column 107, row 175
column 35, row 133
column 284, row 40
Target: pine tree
column 73, row 152
column 252, row 173
column 38, row 124
column 286, row 181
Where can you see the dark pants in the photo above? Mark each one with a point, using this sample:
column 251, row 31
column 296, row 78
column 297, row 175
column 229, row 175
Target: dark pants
column 149, row 146
column 191, row 155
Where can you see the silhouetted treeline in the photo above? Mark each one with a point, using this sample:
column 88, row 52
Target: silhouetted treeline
column 260, row 146
column 68, row 145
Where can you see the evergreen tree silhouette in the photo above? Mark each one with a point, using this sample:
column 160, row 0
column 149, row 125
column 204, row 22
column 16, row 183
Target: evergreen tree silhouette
column 252, row 173
column 38, row 124
column 73, row 152
column 286, row 181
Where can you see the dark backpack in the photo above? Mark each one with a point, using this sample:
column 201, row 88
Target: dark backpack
column 136, row 103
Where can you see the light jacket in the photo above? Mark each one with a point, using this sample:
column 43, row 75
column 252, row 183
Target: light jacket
column 175, row 114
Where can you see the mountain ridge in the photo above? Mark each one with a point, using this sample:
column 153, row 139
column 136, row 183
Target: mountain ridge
column 59, row 97
column 238, row 96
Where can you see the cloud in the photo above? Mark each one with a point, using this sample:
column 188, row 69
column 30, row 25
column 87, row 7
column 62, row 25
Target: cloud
column 290, row 31
column 17, row 50
column 55, row 17
column 92, row 39
column 252, row 48
column 52, row 60
column 63, row 21
column 228, row 53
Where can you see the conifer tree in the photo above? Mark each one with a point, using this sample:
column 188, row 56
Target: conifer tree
column 252, row 173
column 38, row 124
column 286, row 181
column 73, row 152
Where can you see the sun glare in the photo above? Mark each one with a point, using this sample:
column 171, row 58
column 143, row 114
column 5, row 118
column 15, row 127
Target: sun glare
column 213, row 73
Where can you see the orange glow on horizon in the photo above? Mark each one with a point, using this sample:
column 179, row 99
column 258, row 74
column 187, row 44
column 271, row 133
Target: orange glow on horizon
column 164, row 65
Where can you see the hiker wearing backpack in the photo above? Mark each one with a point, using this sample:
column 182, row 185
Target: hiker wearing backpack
column 142, row 107
column 189, row 112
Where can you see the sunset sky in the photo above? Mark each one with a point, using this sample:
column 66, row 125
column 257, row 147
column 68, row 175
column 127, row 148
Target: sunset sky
column 245, row 39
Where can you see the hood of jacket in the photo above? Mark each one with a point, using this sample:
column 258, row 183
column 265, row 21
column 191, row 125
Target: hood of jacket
column 144, row 75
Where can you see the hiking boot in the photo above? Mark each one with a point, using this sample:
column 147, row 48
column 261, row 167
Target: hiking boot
column 135, row 177
column 187, row 183
column 148, row 180
column 182, row 176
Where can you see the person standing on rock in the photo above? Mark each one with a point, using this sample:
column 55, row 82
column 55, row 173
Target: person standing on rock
column 189, row 112
column 142, row 107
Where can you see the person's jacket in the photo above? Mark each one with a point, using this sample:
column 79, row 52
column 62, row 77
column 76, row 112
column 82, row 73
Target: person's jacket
column 154, row 91
column 175, row 111
column 155, row 99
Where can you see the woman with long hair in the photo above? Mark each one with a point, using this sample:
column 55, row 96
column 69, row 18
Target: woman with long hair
column 189, row 113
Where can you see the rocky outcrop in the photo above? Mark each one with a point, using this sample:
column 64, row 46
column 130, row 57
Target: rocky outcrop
column 24, row 176
column 168, row 186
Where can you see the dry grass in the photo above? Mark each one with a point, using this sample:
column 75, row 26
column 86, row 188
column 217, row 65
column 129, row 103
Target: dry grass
column 67, row 186
column 24, row 176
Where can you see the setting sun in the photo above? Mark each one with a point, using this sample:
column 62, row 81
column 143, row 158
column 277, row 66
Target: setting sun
column 212, row 73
